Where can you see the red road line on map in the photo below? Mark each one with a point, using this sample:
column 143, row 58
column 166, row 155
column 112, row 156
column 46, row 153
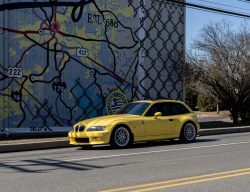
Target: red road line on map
column 61, row 33
column 33, row 46
column 20, row 32
column 28, row 32
column 55, row 12
column 105, row 68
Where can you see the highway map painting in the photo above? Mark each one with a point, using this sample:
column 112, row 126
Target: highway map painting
column 60, row 60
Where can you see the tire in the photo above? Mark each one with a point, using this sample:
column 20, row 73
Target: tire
column 121, row 137
column 86, row 146
column 188, row 132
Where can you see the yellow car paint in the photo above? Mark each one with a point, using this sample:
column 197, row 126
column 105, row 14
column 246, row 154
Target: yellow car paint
column 143, row 128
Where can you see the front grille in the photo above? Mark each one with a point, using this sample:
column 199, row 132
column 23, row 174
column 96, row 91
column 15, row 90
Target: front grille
column 81, row 128
column 82, row 140
column 76, row 128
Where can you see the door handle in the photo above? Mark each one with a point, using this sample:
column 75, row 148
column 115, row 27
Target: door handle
column 171, row 120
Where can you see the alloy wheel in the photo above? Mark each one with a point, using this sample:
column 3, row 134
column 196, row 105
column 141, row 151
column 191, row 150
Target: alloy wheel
column 122, row 136
column 189, row 132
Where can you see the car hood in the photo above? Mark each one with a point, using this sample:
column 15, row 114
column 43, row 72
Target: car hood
column 109, row 120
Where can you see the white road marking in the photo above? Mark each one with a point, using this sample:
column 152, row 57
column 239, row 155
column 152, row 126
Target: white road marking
column 161, row 151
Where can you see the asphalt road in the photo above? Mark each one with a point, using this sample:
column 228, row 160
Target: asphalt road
column 212, row 163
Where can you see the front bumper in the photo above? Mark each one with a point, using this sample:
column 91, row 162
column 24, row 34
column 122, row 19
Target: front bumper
column 89, row 138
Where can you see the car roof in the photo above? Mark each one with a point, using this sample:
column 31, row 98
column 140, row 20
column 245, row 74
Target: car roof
column 158, row 101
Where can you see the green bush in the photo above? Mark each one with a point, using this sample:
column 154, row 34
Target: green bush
column 223, row 106
column 191, row 98
column 205, row 104
column 245, row 113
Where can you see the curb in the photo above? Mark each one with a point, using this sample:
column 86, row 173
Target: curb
column 216, row 131
column 65, row 143
column 35, row 146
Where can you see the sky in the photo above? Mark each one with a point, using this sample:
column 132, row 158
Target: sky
column 195, row 19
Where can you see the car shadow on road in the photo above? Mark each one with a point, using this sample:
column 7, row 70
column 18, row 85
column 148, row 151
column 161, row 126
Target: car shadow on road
column 45, row 165
column 148, row 144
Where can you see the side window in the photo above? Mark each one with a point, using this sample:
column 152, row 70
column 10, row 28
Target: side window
column 179, row 109
column 150, row 112
column 164, row 108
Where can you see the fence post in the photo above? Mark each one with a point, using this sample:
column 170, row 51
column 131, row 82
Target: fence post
column 6, row 63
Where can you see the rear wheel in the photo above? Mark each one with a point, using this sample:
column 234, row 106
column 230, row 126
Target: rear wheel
column 188, row 132
column 120, row 138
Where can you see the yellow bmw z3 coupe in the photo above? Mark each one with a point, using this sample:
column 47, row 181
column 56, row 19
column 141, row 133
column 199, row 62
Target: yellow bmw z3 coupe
column 137, row 122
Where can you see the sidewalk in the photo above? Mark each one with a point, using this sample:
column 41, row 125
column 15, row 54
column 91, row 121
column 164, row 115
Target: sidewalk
column 65, row 142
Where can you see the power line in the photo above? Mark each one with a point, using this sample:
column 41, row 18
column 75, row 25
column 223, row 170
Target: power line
column 214, row 12
column 219, row 11
column 210, row 11
column 247, row 1
column 225, row 5
column 208, row 8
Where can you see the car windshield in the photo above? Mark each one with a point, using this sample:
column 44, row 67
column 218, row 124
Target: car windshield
column 133, row 108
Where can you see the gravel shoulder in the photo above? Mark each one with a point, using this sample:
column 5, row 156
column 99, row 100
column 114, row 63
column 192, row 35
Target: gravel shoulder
column 212, row 114
column 220, row 123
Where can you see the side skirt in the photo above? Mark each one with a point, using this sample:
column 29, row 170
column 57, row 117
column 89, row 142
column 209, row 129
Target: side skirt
column 156, row 138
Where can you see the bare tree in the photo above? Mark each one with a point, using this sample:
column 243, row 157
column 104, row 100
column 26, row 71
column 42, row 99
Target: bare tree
column 220, row 62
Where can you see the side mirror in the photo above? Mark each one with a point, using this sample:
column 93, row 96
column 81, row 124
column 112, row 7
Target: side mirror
column 157, row 114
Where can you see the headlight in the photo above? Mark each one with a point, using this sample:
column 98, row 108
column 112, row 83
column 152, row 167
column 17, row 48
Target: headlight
column 97, row 128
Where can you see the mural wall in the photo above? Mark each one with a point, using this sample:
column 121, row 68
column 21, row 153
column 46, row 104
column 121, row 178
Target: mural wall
column 61, row 61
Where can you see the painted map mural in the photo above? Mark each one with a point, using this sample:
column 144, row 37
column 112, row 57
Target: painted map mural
column 61, row 59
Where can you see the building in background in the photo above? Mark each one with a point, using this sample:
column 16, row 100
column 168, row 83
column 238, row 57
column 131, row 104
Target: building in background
column 61, row 62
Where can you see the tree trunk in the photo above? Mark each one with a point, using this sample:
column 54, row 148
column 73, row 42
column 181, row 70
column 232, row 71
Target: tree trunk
column 218, row 111
column 235, row 114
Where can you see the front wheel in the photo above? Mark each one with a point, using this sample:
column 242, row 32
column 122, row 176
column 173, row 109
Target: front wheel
column 120, row 138
column 188, row 133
